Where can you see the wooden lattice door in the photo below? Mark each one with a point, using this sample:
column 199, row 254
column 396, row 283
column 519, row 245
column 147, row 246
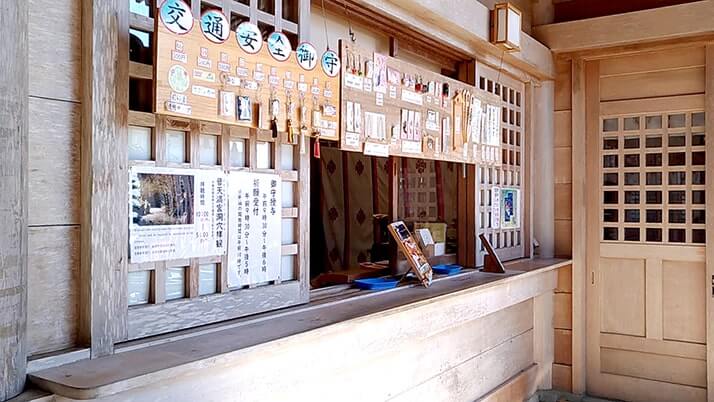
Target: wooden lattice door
column 645, row 177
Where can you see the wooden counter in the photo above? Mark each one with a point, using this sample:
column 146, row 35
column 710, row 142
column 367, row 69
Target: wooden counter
column 339, row 340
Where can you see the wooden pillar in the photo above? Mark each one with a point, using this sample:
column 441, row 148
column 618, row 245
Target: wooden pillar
column 466, row 188
column 13, row 195
column 104, row 177
column 585, row 101
column 543, row 338
column 542, row 137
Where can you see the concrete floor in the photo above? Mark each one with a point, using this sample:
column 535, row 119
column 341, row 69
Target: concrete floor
column 561, row 396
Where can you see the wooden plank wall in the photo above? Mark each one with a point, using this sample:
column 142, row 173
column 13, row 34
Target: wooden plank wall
column 13, row 196
column 563, row 330
column 562, row 163
column 54, row 156
column 563, row 300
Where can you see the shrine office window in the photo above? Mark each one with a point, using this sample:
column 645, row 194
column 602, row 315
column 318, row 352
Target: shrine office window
column 171, row 295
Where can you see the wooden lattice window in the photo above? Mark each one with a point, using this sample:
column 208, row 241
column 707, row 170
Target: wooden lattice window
column 653, row 178
column 508, row 94
column 171, row 295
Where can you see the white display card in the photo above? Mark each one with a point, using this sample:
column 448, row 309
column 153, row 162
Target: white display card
column 496, row 207
column 254, row 241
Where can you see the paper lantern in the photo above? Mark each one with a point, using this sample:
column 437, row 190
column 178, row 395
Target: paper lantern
column 506, row 27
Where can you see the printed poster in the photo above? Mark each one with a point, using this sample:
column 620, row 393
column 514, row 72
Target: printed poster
column 176, row 213
column 254, row 241
column 510, row 208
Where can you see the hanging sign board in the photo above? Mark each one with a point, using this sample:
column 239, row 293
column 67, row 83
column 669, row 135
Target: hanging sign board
column 409, row 247
column 254, row 252
column 176, row 213
column 207, row 72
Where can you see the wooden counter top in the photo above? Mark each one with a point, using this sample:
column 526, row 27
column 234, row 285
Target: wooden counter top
column 137, row 364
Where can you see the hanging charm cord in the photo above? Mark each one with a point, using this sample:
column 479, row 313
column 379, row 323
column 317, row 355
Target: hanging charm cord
column 324, row 20
column 500, row 68
column 351, row 32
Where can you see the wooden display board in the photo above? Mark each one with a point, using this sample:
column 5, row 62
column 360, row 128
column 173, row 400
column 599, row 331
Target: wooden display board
column 224, row 69
column 390, row 89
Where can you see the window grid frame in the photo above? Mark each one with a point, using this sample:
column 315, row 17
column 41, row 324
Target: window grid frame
column 664, row 168
column 194, row 129
column 510, row 96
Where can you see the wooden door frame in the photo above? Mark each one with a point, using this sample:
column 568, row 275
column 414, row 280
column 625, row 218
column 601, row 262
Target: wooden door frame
column 592, row 241
column 585, row 128
column 709, row 169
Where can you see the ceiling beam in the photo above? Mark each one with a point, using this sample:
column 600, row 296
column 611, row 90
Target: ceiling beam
column 666, row 23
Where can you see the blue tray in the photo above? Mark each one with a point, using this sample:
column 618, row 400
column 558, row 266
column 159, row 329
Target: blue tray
column 376, row 283
column 447, row 269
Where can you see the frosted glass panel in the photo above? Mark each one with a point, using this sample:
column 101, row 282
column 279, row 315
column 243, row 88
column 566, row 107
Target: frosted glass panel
column 206, row 279
column 514, row 27
column 287, row 194
column 288, row 231
column 176, row 146
column 138, row 283
column 501, row 25
column 237, row 151
column 287, row 268
column 262, row 155
column 286, row 157
column 139, row 143
column 209, row 149
column 175, row 288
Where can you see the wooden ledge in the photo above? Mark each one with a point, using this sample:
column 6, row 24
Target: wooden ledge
column 142, row 366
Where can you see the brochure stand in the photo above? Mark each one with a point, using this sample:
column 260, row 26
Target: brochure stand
column 408, row 245
column 491, row 262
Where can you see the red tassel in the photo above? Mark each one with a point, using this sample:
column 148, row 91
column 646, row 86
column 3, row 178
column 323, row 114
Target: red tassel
column 316, row 149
